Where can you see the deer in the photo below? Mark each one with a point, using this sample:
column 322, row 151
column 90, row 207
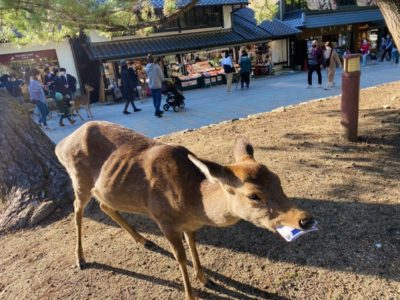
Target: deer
column 83, row 100
column 128, row 172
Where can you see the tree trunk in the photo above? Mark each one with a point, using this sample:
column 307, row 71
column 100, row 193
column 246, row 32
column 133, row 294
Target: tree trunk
column 32, row 181
column 391, row 13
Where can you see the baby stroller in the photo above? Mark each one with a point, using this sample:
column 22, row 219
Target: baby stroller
column 175, row 98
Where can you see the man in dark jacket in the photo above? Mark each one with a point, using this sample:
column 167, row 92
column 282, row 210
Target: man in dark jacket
column 314, row 62
column 71, row 81
column 128, row 88
column 48, row 81
column 134, row 77
column 60, row 83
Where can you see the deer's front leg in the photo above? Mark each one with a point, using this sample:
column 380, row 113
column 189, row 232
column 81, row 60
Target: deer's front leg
column 174, row 238
column 198, row 269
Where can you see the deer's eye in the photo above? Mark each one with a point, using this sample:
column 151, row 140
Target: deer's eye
column 253, row 197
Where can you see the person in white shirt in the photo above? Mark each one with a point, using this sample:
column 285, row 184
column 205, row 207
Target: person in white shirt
column 227, row 64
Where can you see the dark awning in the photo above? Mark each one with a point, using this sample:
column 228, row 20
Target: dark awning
column 136, row 48
column 244, row 30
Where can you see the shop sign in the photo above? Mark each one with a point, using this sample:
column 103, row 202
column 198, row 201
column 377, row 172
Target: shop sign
column 188, row 83
column 34, row 55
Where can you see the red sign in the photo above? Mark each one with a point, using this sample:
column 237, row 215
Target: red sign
column 35, row 55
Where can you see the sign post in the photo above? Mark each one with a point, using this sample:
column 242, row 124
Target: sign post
column 350, row 97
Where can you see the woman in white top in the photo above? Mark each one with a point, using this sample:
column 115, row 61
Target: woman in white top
column 227, row 64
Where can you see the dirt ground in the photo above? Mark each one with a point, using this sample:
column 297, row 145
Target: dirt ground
column 351, row 188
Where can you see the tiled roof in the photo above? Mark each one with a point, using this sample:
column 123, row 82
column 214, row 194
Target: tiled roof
column 244, row 23
column 161, row 45
column 160, row 3
column 332, row 18
column 343, row 18
column 245, row 29
column 294, row 19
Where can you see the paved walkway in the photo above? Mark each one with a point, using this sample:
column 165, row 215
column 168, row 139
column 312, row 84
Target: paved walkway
column 213, row 105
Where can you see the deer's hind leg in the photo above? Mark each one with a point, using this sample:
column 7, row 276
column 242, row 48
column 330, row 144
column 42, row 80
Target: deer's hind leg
column 121, row 222
column 81, row 200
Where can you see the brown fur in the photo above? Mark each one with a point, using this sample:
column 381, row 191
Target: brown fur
column 128, row 172
column 83, row 100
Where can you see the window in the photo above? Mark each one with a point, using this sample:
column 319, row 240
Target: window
column 197, row 17
column 294, row 4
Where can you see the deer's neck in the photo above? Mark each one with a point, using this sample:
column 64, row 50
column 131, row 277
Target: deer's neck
column 216, row 205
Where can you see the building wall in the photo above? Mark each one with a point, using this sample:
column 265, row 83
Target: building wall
column 227, row 13
column 63, row 50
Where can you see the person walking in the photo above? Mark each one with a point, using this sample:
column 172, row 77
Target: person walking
column 134, row 77
column 71, row 82
column 388, row 48
column 314, row 62
column 37, row 97
column 333, row 61
column 156, row 77
column 49, row 79
column 364, row 48
column 128, row 88
column 227, row 64
column 245, row 69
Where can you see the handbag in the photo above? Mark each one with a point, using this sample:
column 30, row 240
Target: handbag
column 327, row 62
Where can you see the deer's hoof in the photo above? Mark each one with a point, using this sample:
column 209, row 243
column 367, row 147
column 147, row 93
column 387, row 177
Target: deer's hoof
column 149, row 245
column 209, row 283
column 81, row 264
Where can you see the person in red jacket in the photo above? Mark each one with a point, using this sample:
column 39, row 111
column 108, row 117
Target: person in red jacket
column 364, row 48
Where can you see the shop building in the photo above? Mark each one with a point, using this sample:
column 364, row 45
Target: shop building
column 190, row 53
column 344, row 22
column 21, row 60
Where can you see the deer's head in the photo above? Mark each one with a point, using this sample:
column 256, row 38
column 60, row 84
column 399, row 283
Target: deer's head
column 88, row 88
column 254, row 193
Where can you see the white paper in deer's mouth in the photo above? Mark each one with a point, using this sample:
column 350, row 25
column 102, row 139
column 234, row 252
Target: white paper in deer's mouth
column 291, row 234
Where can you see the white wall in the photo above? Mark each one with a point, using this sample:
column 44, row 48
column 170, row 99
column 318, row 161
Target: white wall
column 63, row 50
column 278, row 49
column 227, row 13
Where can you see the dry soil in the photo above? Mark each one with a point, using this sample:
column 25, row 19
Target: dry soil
column 351, row 188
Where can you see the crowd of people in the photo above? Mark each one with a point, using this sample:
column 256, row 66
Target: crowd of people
column 56, row 84
column 325, row 56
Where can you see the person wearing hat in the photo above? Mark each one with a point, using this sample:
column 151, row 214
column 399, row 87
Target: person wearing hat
column 156, row 77
column 128, row 88
column 314, row 62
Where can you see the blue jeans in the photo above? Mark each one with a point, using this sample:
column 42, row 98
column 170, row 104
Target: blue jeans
column 44, row 111
column 156, row 93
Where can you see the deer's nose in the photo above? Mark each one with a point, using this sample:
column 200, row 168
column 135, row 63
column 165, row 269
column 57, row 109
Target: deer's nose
column 306, row 223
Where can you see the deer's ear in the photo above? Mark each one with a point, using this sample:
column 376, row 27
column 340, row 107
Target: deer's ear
column 213, row 171
column 242, row 149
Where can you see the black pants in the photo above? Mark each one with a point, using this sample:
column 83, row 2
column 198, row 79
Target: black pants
column 245, row 78
column 311, row 69
column 389, row 51
column 129, row 98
